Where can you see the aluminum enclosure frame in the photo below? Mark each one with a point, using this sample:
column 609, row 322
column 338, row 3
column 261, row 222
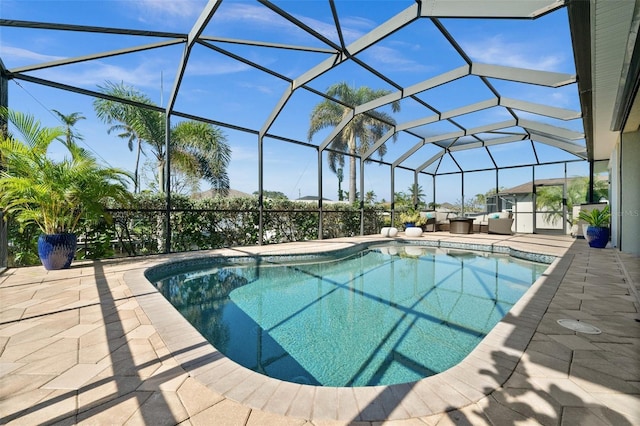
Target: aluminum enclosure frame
column 450, row 143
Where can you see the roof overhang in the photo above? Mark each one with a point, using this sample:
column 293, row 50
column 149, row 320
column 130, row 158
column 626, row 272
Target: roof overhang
column 605, row 40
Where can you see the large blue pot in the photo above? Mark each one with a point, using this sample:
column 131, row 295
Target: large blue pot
column 57, row 251
column 597, row 236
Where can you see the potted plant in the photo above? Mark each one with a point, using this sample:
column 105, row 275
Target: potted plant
column 597, row 234
column 57, row 196
column 411, row 218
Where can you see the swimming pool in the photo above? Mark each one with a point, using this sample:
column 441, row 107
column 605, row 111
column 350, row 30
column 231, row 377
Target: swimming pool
column 389, row 314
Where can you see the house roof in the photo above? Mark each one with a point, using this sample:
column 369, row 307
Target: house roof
column 527, row 188
column 212, row 193
column 311, row 198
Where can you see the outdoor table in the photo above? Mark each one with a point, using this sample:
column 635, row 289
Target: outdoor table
column 461, row 225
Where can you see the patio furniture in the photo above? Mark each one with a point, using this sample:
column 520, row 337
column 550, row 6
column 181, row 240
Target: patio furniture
column 413, row 231
column 389, row 231
column 430, row 220
column 461, row 225
column 500, row 226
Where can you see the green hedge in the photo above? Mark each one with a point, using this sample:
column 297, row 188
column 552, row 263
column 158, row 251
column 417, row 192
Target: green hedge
column 200, row 224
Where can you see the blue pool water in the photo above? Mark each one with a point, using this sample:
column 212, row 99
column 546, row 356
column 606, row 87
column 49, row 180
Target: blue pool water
column 386, row 315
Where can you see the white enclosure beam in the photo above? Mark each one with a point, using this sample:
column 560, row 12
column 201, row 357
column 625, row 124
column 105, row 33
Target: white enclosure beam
column 490, row 127
column 541, row 109
column 478, row 106
column 567, row 146
column 430, row 161
column 522, row 75
column 487, row 9
column 561, row 132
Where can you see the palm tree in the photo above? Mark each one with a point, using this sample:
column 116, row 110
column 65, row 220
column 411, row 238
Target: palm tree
column 403, row 200
column 69, row 121
column 417, row 194
column 361, row 132
column 127, row 118
column 198, row 150
column 129, row 133
column 549, row 198
column 480, row 202
column 340, row 175
column 54, row 195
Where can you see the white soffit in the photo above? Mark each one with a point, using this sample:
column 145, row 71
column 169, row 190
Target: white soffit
column 610, row 23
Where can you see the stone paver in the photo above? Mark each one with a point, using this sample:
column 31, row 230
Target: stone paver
column 95, row 345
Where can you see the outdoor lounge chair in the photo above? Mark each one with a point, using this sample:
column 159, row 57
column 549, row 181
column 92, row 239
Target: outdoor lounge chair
column 500, row 225
column 430, row 218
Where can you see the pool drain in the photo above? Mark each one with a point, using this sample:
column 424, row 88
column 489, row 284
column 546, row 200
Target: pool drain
column 579, row 326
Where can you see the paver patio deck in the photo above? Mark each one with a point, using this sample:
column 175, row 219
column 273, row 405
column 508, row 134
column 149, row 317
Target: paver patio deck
column 95, row 344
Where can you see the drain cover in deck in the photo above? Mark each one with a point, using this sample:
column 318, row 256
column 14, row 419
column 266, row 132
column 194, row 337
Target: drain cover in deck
column 579, row 326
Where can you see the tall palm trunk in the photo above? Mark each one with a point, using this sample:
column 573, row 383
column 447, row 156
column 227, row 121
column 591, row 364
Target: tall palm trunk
column 161, row 183
column 352, row 169
column 136, row 186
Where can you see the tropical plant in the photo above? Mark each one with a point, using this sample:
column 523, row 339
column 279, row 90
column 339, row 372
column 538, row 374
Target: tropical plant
column 370, row 197
column 596, row 217
column 340, row 176
column 402, row 199
column 273, row 195
column 412, row 216
column 54, row 195
column 360, row 134
column 479, row 202
column 197, row 149
column 549, row 198
column 199, row 224
column 69, row 121
column 417, row 194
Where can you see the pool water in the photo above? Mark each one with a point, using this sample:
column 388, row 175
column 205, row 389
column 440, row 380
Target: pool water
column 386, row 315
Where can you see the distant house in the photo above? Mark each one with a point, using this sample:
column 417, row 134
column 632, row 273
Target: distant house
column 446, row 207
column 310, row 198
column 212, row 193
column 520, row 200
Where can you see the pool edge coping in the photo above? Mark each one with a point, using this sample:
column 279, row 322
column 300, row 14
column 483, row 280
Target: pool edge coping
column 461, row 385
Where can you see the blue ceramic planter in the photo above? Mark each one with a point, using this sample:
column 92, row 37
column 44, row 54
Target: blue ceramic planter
column 57, row 251
column 597, row 237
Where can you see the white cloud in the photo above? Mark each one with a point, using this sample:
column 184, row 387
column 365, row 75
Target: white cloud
column 268, row 90
column 10, row 53
column 145, row 74
column 496, row 50
column 167, row 10
column 256, row 15
column 246, row 154
column 215, row 67
column 96, row 72
column 562, row 100
column 393, row 57
column 252, row 14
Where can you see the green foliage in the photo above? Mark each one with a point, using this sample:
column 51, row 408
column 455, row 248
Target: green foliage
column 97, row 241
column 138, row 228
column 412, row 216
column 56, row 196
column 199, row 150
column 359, row 135
column 274, row 195
column 23, row 249
column 403, row 200
column 596, row 217
column 416, row 193
column 549, row 198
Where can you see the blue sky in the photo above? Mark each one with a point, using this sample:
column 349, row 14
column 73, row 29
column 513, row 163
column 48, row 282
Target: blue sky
column 222, row 89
